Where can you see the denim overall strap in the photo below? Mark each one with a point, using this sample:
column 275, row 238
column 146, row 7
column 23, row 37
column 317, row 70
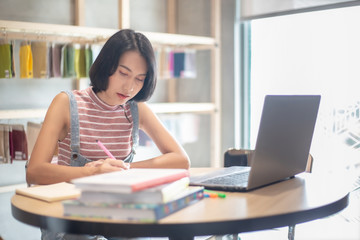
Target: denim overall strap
column 74, row 118
column 135, row 130
column 76, row 158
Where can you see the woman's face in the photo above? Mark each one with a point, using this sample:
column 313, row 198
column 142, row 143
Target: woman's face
column 127, row 80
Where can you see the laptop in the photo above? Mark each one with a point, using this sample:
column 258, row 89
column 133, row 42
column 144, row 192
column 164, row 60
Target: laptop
column 282, row 146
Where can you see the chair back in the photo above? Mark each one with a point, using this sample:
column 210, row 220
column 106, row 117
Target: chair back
column 242, row 157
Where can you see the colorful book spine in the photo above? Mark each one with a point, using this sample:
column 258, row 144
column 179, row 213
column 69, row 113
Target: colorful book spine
column 159, row 194
column 135, row 212
column 129, row 181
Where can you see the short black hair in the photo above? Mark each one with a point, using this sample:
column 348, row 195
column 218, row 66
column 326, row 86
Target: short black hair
column 108, row 59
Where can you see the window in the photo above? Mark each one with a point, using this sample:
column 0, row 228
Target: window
column 312, row 53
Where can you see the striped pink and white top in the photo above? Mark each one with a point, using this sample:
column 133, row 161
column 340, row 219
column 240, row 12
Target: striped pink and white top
column 99, row 121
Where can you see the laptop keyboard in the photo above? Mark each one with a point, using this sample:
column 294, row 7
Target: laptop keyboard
column 234, row 179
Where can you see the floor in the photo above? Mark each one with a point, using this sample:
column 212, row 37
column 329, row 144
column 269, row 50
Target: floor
column 10, row 228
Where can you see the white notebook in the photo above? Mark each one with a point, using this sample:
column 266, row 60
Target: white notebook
column 50, row 193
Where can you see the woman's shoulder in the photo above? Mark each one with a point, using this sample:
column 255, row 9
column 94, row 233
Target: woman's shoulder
column 66, row 96
column 146, row 113
column 60, row 103
column 61, row 97
column 59, row 109
column 143, row 106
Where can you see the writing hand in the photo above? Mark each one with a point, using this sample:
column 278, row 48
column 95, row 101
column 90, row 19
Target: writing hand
column 108, row 165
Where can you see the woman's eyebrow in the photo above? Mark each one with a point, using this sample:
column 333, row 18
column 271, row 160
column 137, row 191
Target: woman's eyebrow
column 125, row 67
column 120, row 65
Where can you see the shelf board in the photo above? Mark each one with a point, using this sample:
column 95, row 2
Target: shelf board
column 12, row 188
column 22, row 113
column 182, row 107
column 156, row 107
column 70, row 33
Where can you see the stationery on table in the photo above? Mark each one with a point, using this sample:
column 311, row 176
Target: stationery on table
column 213, row 194
column 143, row 212
column 105, row 149
column 145, row 195
column 131, row 180
column 50, row 193
column 159, row 194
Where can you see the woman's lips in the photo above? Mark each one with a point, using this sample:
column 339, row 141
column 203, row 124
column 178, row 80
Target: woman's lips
column 122, row 96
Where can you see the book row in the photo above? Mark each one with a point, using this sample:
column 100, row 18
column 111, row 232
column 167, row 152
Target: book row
column 40, row 59
column 13, row 143
column 17, row 141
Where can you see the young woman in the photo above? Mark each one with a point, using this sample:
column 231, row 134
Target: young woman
column 112, row 110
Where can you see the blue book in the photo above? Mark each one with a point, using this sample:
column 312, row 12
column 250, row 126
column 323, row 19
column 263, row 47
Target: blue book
column 143, row 212
column 179, row 63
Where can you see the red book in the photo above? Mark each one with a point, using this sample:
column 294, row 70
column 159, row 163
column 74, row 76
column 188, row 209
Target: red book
column 129, row 181
column 19, row 149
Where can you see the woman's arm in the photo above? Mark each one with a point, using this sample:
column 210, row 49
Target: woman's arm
column 56, row 124
column 173, row 155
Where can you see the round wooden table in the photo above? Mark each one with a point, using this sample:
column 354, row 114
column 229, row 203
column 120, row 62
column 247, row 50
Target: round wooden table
column 303, row 198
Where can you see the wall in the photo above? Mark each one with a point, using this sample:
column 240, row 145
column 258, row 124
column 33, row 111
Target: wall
column 145, row 16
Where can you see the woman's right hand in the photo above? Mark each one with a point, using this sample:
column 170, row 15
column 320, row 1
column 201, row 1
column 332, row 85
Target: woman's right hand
column 108, row 165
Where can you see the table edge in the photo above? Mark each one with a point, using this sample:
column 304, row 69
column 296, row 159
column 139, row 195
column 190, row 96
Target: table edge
column 172, row 229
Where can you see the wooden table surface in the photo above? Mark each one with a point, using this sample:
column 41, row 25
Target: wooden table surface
column 303, row 198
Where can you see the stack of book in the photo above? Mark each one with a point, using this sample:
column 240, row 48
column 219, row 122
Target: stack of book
column 145, row 195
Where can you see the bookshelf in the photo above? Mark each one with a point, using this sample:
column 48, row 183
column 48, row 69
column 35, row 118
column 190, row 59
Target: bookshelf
column 18, row 30
column 164, row 108
column 79, row 34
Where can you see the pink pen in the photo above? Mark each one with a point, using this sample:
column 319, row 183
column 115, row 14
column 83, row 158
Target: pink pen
column 105, row 149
